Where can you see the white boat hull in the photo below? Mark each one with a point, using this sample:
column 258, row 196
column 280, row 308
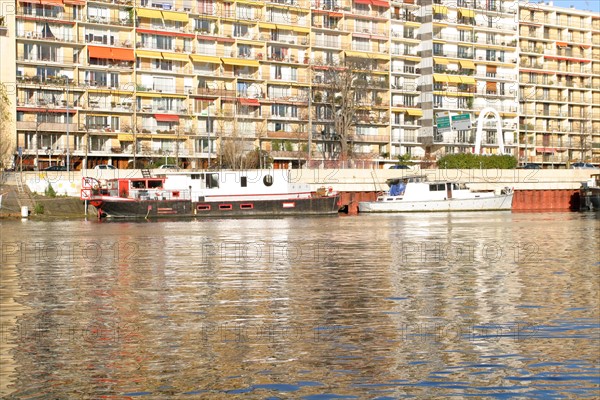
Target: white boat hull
column 397, row 204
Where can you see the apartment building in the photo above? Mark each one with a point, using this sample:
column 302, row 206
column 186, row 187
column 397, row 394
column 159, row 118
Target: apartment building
column 125, row 81
column 559, row 76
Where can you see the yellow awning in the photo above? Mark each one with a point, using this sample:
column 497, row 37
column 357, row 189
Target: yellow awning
column 454, row 79
column 442, row 61
column 356, row 54
column 145, row 13
column 267, row 25
column 175, row 16
column 173, row 95
column 176, row 57
column 148, row 54
column 469, row 80
column 465, row 12
column 414, row 113
column 454, row 94
column 250, row 42
column 440, row 78
column 206, row 59
column 302, row 29
column 164, row 136
column 411, row 58
column 148, row 94
column 125, row 137
column 437, row 9
column 468, row 64
column 240, row 62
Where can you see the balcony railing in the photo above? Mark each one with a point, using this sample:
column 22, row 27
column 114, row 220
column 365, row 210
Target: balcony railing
column 45, row 126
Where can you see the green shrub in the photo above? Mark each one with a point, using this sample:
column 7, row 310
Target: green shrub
column 39, row 208
column 475, row 161
column 49, row 192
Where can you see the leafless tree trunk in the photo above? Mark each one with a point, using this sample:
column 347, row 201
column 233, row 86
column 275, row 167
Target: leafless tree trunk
column 5, row 132
column 342, row 91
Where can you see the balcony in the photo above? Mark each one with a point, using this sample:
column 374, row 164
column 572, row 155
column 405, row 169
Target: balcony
column 45, row 126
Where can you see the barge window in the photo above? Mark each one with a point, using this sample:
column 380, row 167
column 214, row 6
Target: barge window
column 154, row 184
column 195, row 176
column 138, row 184
column 212, row 181
column 247, row 206
column 225, row 207
column 244, row 181
column 437, row 187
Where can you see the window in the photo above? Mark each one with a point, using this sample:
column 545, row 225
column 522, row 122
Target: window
column 206, row 47
column 162, row 65
column 244, row 12
column 240, row 30
column 206, row 7
column 361, row 44
column 244, row 51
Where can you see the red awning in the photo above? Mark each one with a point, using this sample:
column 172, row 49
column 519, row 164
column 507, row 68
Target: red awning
column 362, row 1
column 122, row 54
column 585, row 46
column 99, row 52
column 545, row 150
column 335, row 14
column 166, row 117
column 249, row 102
column 75, row 2
column 380, row 3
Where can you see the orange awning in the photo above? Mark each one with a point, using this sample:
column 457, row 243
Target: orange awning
column 99, row 52
column 562, row 44
column 111, row 53
column 380, row 3
column 249, row 102
column 122, row 54
column 490, row 86
column 166, row 118
column 55, row 3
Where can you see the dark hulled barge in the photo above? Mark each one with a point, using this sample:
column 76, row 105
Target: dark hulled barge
column 252, row 193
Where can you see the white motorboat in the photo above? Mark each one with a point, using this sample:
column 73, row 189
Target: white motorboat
column 416, row 194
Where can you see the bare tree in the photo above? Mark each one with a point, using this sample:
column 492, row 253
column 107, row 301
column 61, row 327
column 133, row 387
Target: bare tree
column 237, row 138
column 339, row 92
column 5, row 119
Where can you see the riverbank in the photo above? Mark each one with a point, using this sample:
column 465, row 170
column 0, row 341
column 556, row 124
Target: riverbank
column 41, row 207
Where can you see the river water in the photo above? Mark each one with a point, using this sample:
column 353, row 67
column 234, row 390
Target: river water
column 426, row 305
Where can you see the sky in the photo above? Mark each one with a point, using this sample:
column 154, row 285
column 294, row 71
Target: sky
column 593, row 5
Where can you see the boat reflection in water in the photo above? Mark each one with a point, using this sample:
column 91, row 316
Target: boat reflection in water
column 416, row 193
column 252, row 193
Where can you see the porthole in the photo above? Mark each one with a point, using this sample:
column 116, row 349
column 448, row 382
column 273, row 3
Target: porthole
column 268, row 180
